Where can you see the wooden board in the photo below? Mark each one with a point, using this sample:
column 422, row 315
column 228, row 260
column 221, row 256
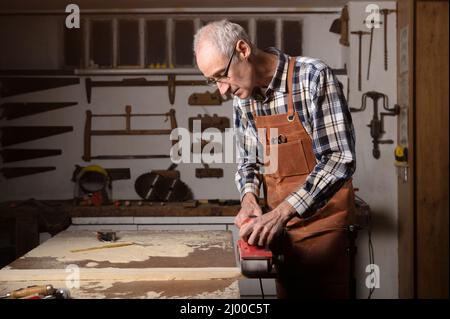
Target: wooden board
column 163, row 264
column 432, row 149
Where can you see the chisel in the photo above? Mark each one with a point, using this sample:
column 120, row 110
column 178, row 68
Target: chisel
column 32, row 290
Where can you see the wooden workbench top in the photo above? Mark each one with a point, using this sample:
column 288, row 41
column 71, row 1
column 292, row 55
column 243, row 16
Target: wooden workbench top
column 160, row 264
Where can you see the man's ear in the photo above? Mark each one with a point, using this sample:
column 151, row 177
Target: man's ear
column 244, row 50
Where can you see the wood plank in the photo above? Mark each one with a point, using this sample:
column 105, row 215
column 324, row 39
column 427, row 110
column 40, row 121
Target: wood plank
column 122, row 274
column 164, row 264
column 432, row 149
column 156, row 249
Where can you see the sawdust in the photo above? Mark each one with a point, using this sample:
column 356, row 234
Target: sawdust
column 91, row 264
column 172, row 244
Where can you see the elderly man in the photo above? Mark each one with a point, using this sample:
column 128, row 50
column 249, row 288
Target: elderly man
column 309, row 198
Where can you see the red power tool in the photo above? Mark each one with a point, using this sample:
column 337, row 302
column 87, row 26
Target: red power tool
column 256, row 261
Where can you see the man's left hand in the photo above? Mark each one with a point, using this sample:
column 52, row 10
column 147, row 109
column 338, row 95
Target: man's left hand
column 262, row 230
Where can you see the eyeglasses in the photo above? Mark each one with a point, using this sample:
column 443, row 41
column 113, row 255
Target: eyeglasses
column 214, row 81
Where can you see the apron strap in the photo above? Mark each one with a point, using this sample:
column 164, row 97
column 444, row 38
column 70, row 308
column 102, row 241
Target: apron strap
column 289, row 79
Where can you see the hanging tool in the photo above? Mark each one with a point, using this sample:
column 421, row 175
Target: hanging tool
column 208, row 172
column 372, row 23
column 18, row 134
column 93, row 185
column 359, row 34
column 207, row 121
column 340, row 26
column 376, row 124
column 10, row 86
column 16, row 110
column 162, row 185
column 18, row 154
column 344, row 27
column 113, row 173
column 146, row 184
column 89, row 132
column 171, row 83
column 13, row 172
column 208, row 98
column 385, row 13
column 172, row 190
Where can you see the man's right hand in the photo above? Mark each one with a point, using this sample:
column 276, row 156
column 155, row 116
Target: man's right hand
column 249, row 208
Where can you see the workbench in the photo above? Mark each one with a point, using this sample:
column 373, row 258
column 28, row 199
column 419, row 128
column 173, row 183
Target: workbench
column 159, row 264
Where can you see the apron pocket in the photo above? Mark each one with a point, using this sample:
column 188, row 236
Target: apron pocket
column 291, row 159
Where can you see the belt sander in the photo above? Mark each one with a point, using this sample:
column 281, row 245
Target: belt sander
column 255, row 261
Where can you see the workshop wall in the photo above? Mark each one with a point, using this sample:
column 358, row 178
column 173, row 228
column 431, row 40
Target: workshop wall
column 32, row 43
column 375, row 178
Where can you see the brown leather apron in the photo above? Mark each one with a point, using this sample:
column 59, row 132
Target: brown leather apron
column 315, row 249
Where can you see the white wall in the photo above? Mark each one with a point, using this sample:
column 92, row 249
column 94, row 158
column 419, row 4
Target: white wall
column 31, row 43
column 375, row 178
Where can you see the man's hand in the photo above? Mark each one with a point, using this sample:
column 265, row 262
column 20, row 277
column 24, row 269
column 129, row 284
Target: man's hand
column 262, row 230
column 249, row 208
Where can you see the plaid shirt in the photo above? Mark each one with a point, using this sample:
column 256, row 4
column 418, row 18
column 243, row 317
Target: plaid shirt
column 323, row 111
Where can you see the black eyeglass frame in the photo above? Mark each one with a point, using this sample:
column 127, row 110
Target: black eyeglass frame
column 214, row 81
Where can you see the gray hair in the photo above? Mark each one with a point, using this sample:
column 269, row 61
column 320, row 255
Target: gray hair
column 223, row 35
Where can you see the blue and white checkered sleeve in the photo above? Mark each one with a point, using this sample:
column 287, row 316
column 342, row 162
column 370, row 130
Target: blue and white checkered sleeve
column 248, row 177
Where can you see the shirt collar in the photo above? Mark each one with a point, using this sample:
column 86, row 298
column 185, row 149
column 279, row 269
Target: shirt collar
column 278, row 82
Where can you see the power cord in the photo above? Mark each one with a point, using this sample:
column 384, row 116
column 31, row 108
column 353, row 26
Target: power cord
column 370, row 244
column 261, row 287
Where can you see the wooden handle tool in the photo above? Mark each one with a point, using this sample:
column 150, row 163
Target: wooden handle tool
column 103, row 247
column 29, row 291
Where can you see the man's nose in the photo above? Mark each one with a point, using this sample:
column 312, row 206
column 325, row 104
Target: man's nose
column 223, row 87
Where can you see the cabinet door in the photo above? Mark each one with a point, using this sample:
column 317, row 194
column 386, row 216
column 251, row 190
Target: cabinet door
column 431, row 89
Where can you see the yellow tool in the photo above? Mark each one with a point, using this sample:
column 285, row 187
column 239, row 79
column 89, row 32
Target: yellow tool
column 104, row 247
column 401, row 156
